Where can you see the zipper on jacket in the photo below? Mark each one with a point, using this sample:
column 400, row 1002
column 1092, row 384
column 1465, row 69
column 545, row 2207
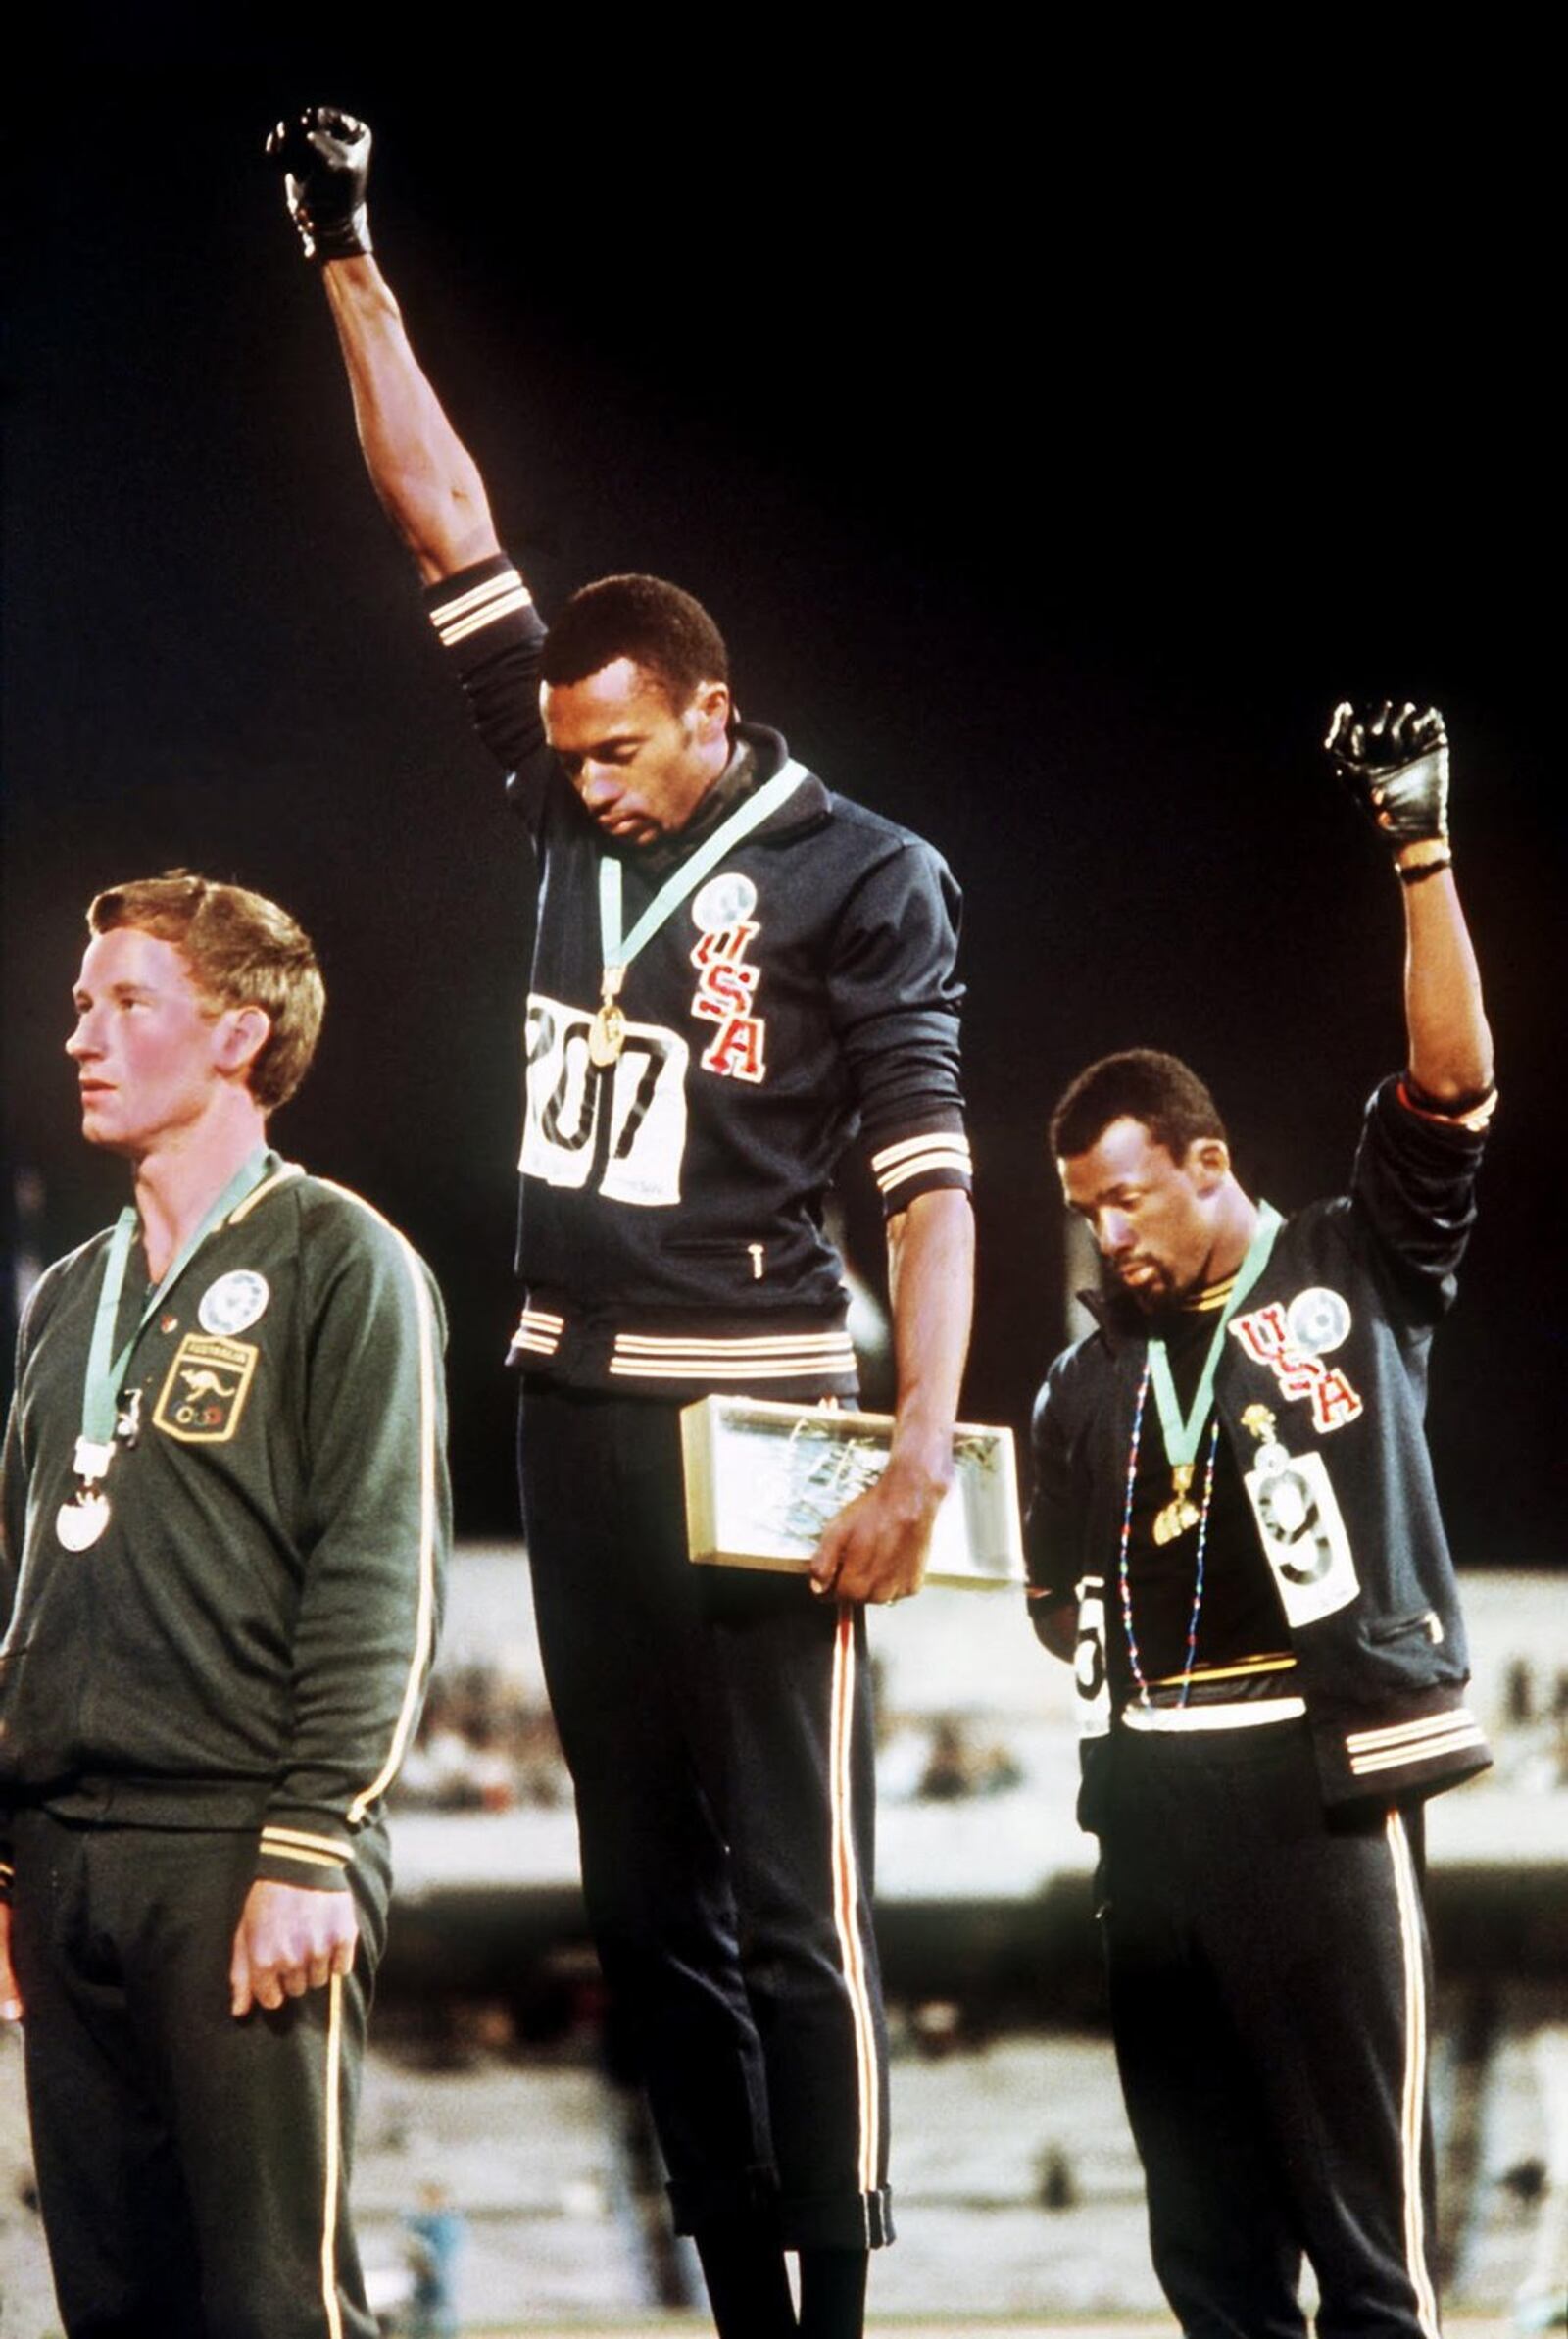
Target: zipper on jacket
column 1427, row 1621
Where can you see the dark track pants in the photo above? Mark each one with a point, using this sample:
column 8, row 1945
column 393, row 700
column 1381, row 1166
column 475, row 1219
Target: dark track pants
column 192, row 2169
column 1269, row 1977
column 717, row 1725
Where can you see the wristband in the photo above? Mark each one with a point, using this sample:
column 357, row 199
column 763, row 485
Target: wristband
column 1413, row 872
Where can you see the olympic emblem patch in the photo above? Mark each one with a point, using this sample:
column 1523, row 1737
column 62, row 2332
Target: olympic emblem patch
column 204, row 1395
column 233, row 1303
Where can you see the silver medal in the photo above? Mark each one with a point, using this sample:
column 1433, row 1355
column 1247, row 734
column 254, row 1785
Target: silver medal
column 80, row 1523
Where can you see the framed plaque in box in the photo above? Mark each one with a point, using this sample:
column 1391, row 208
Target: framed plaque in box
column 763, row 1479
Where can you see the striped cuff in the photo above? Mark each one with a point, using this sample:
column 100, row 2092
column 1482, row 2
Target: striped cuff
column 482, row 597
column 921, row 1164
column 1399, row 1745
column 298, row 1856
column 538, row 1335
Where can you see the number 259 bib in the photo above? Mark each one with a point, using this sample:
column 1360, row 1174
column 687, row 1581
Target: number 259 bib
column 1302, row 1533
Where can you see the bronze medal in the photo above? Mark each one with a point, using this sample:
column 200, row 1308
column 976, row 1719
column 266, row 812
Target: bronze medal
column 1181, row 1513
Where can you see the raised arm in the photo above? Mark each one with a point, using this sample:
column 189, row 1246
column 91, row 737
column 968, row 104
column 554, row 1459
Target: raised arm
column 428, row 483
column 1395, row 763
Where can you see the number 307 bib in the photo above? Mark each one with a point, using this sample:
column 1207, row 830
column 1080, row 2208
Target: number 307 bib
column 1302, row 1532
column 627, row 1118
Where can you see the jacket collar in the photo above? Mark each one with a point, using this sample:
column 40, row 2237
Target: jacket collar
column 1118, row 1318
column 757, row 756
column 806, row 807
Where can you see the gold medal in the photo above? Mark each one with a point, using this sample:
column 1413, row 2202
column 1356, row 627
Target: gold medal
column 1181, row 1513
column 606, row 1035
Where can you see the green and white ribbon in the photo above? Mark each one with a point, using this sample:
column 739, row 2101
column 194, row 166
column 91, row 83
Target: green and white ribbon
column 1182, row 1431
column 106, row 1372
column 619, row 950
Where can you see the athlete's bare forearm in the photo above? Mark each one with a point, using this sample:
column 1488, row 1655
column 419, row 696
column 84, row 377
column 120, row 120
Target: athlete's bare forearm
column 877, row 1545
column 1394, row 760
column 931, row 1283
column 1450, row 1037
column 428, row 483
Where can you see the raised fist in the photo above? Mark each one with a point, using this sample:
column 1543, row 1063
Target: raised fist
column 1395, row 763
column 325, row 160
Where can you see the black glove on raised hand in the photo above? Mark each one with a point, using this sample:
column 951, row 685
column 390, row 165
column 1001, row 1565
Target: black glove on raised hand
column 325, row 160
column 1395, row 763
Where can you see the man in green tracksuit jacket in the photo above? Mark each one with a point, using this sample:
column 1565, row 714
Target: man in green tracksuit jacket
column 225, row 1518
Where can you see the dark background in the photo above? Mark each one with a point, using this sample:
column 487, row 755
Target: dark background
column 1056, row 436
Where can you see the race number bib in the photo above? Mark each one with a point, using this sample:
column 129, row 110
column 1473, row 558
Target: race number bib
column 629, row 1117
column 1089, row 1660
column 1302, row 1533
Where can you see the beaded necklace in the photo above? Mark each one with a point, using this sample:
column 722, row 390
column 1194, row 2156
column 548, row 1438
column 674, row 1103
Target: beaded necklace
column 1123, row 1570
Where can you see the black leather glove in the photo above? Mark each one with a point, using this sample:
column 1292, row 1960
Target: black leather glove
column 1395, row 763
column 325, row 160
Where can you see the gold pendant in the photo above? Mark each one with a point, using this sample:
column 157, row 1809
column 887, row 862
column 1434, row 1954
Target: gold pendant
column 606, row 1035
column 1181, row 1513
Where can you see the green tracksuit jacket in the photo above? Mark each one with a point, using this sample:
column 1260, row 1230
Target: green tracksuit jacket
column 246, row 1644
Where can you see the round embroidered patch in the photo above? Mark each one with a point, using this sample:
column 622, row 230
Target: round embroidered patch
column 1317, row 1319
column 723, row 901
column 236, row 1301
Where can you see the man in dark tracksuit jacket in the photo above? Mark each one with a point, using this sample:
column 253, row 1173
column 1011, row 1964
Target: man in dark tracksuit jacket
column 226, row 1519
column 1235, row 1535
column 734, row 972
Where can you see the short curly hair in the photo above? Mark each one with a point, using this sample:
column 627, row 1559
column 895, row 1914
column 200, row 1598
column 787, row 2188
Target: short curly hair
column 645, row 619
column 1138, row 1085
column 243, row 950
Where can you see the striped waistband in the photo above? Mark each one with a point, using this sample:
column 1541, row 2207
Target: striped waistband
column 1249, row 1714
column 704, row 1359
column 765, row 1356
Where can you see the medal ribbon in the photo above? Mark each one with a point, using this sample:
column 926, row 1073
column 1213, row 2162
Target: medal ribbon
column 1181, row 1432
column 106, row 1372
column 618, row 952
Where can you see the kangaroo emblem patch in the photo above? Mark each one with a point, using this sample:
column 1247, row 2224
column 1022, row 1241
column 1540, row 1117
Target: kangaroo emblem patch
column 205, row 1392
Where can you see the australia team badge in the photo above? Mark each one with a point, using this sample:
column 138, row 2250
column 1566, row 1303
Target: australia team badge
column 203, row 1394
